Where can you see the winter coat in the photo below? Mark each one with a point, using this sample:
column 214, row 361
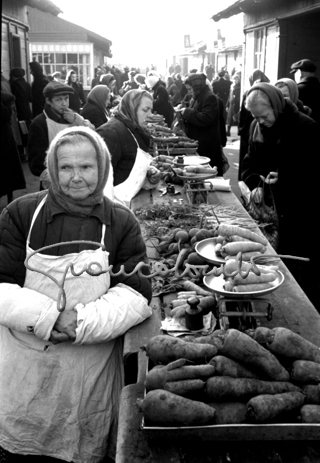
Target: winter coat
column 221, row 88
column 202, row 122
column 162, row 104
column 38, row 100
column 94, row 114
column 292, row 152
column 123, row 239
column 77, row 99
column 22, row 91
column 233, row 105
column 309, row 94
column 122, row 147
column 11, row 173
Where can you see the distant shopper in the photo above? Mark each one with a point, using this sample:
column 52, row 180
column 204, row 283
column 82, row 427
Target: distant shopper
column 57, row 76
column 161, row 100
column 221, row 88
column 308, row 85
column 95, row 109
column 77, row 99
column 37, row 86
column 233, row 103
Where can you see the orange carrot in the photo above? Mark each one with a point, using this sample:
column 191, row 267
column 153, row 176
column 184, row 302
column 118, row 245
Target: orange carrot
column 242, row 246
column 229, row 230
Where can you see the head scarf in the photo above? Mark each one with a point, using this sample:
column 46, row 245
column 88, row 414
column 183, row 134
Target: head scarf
column 128, row 106
column 84, row 207
column 99, row 96
column 151, row 81
column 106, row 79
column 140, row 79
column 258, row 75
column 197, row 82
column 292, row 87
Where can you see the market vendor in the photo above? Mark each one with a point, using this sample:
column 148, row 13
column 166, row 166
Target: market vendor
column 128, row 140
column 283, row 148
column 202, row 120
column 61, row 371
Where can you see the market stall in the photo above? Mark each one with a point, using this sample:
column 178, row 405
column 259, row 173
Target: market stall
column 284, row 306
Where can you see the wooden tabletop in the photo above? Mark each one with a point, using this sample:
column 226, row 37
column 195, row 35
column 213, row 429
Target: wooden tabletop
column 291, row 309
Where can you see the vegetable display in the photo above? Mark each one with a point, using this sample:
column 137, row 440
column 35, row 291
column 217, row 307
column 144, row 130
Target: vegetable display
column 230, row 373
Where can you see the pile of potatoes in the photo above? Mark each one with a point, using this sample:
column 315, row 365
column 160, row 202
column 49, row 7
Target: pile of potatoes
column 230, row 377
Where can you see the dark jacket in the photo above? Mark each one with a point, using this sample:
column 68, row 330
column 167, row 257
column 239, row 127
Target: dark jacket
column 162, row 104
column 22, row 91
column 94, row 114
column 202, row 122
column 122, row 147
column 37, row 86
column 292, row 152
column 221, row 88
column 11, row 173
column 309, row 94
column 77, row 99
column 123, row 239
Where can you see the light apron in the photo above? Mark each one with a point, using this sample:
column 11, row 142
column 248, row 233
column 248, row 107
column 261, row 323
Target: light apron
column 128, row 189
column 60, row 400
column 54, row 127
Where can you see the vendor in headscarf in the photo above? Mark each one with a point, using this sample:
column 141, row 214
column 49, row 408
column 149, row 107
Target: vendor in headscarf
column 202, row 119
column 110, row 81
column 289, row 89
column 128, row 140
column 95, row 110
column 281, row 140
column 61, row 368
column 245, row 117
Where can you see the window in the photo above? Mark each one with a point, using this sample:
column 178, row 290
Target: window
column 15, row 51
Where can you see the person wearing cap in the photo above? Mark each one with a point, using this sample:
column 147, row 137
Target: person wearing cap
column 37, row 86
column 55, row 117
column 308, row 85
column 61, row 362
column 161, row 98
column 283, row 146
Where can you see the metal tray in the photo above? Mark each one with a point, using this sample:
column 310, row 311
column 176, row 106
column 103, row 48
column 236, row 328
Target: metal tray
column 205, row 249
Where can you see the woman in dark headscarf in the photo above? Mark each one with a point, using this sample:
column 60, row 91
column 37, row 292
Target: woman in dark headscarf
column 126, row 134
column 95, row 109
column 289, row 89
column 245, row 117
column 280, row 138
column 37, row 86
column 202, row 119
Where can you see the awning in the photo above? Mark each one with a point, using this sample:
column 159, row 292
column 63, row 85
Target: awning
column 241, row 6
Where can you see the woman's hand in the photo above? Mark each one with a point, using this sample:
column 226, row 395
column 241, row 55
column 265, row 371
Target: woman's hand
column 257, row 195
column 65, row 327
column 153, row 174
column 271, row 178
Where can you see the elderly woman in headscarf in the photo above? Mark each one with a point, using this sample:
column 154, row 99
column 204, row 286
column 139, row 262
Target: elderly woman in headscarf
column 128, row 140
column 245, row 117
column 202, row 119
column 289, row 89
column 95, row 109
column 63, row 313
column 281, row 138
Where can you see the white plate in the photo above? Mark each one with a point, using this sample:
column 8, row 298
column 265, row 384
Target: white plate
column 198, row 176
column 216, row 285
column 205, row 249
column 192, row 161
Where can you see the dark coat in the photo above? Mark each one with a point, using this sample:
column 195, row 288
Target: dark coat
column 245, row 119
column 293, row 153
column 77, row 99
column 11, row 173
column 38, row 100
column 202, row 121
column 122, row 147
column 123, row 239
column 94, row 114
column 233, row 105
column 162, row 104
column 309, row 94
column 221, row 88
column 21, row 89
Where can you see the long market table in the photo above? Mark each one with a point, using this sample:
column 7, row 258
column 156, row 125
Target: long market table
column 291, row 309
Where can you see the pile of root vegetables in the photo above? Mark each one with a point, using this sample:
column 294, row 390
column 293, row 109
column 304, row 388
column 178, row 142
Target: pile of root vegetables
column 231, row 377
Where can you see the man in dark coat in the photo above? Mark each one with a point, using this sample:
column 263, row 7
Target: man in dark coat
column 221, row 87
column 21, row 89
column 309, row 86
column 202, row 120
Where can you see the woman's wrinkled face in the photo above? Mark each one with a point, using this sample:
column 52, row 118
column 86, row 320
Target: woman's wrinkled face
column 284, row 90
column 77, row 169
column 263, row 114
column 144, row 110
